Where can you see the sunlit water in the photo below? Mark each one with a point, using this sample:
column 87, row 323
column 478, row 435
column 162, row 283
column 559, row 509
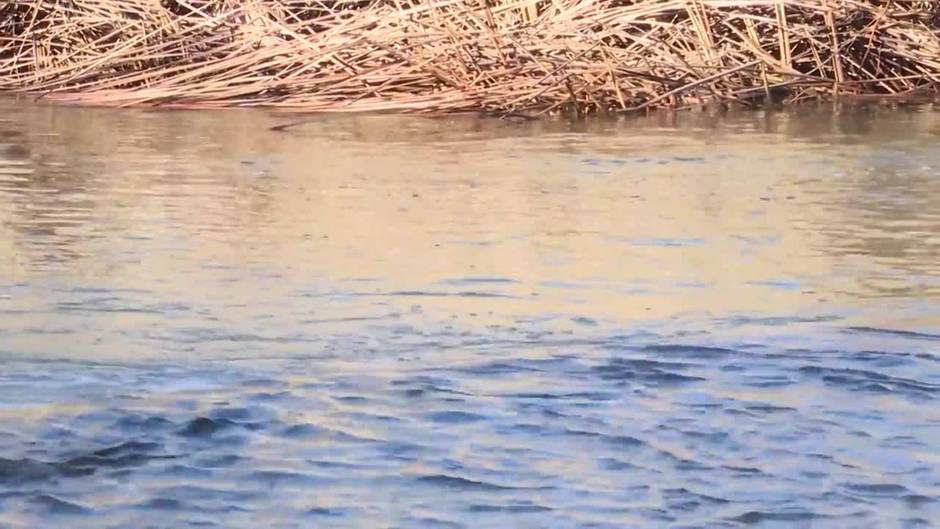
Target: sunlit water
column 385, row 322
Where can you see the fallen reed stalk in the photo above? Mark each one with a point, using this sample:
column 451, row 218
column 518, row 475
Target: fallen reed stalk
column 505, row 56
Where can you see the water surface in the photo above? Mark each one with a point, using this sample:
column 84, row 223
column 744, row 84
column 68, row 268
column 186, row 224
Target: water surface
column 388, row 322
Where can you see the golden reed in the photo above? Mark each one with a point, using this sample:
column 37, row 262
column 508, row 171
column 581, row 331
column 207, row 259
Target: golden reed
column 502, row 56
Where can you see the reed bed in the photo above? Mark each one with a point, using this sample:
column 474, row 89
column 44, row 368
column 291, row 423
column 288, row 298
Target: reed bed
column 504, row 56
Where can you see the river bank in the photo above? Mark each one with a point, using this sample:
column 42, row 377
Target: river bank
column 529, row 56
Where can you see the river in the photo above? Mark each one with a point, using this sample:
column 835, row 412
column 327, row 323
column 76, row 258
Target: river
column 688, row 320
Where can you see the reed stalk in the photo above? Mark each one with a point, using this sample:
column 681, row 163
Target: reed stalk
column 503, row 56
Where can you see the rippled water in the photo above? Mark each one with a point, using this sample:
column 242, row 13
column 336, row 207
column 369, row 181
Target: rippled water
column 385, row 322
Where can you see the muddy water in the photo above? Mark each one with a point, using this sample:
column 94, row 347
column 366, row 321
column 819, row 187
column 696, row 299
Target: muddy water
column 386, row 322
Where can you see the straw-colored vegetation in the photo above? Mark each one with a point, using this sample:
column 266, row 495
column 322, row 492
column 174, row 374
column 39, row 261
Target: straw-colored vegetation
column 532, row 56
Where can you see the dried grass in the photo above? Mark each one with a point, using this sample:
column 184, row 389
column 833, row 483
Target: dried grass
column 533, row 56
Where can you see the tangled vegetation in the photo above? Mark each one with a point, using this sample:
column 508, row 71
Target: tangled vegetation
column 503, row 56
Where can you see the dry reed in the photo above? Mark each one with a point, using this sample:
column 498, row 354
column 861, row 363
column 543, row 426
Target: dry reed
column 532, row 56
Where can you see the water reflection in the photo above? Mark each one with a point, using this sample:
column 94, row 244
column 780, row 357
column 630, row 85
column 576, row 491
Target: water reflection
column 705, row 213
column 709, row 320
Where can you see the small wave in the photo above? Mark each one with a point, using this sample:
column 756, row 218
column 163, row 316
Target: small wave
column 496, row 368
column 743, row 470
column 760, row 517
column 215, row 460
column 53, row 505
column 312, row 431
column 456, row 482
column 919, row 500
column 232, row 414
column 479, row 280
column 893, row 332
column 916, row 523
column 667, row 242
column 454, row 417
column 622, row 441
column 698, row 352
column 644, row 371
column 610, row 463
column 125, row 455
column 683, row 499
column 464, row 294
column 276, row 477
column 207, row 495
column 90, row 463
column 206, row 427
column 164, row 504
column 870, row 381
column 523, row 508
column 127, row 448
column 25, row 470
column 303, row 431
column 877, row 489
column 187, row 472
column 326, row 512
column 769, row 408
column 583, row 320
column 777, row 321
column 431, row 521
column 134, row 422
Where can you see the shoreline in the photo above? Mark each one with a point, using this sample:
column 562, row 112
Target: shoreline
column 523, row 59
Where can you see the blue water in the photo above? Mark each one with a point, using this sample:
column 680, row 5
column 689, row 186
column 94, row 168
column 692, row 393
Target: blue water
column 384, row 322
